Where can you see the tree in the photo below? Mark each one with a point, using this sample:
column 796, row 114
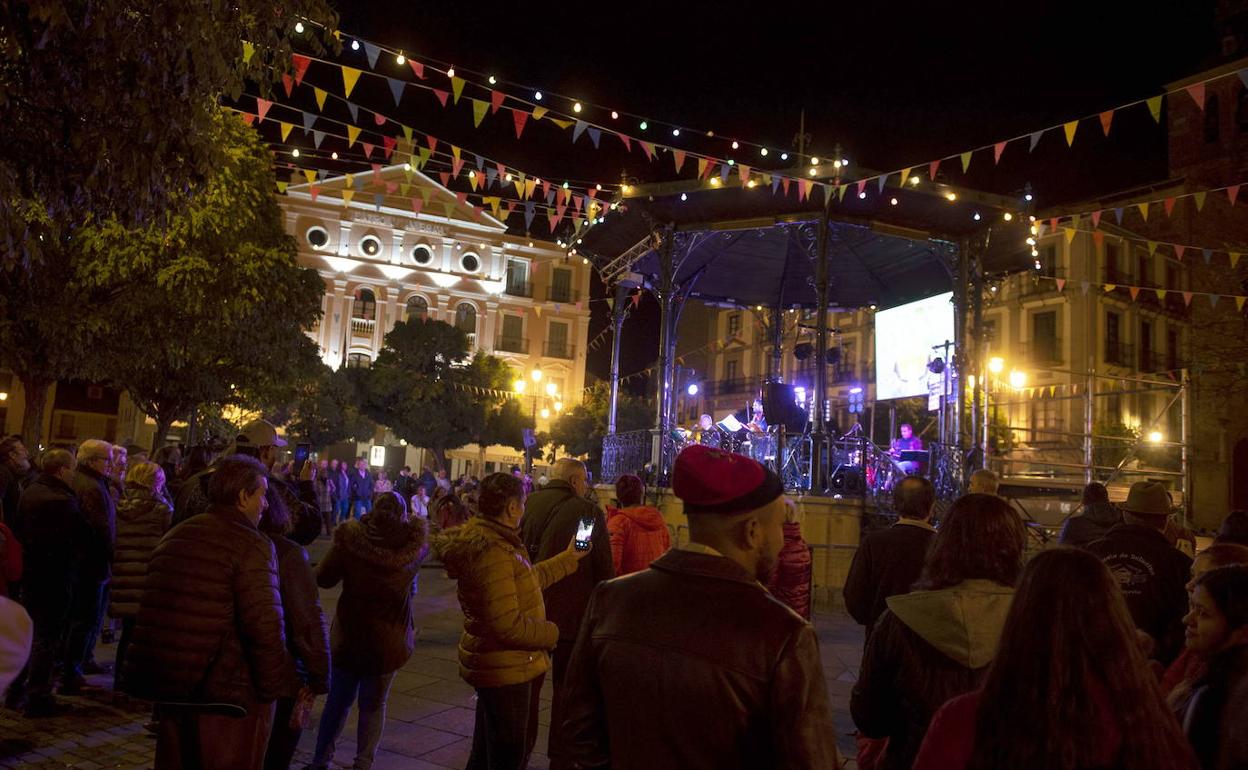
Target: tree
column 429, row 392
column 499, row 419
column 211, row 305
column 580, row 430
column 110, row 106
column 326, row 409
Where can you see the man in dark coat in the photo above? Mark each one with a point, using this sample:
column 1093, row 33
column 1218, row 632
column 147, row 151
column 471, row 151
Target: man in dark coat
column 551, row 516
column 92, row 485
column 361, row 485
column 14, row 473
column 888, row 562
column 691, row 663
column 1096, row 517
column 56, row 537
column 1151, row 572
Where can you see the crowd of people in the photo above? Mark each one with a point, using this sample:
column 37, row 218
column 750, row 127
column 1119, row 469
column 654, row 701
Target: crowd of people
column 1115, row 649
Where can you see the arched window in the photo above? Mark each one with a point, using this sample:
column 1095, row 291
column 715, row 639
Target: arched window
column 358, row 361
column 365, row 305
column 417, row 308
column 1213, row 118
column 466, row 318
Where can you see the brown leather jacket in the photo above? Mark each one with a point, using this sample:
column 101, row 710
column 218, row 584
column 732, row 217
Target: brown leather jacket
column 210, row 626
column 692, row 664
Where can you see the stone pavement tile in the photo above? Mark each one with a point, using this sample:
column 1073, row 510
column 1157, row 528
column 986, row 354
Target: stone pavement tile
column 406, row 681
column 454, row 720
column 442, row 651
column 451, row 755
column 435, row 667
column 408, row 708
column 417, row 740
column 388, row 761
column 453, row 692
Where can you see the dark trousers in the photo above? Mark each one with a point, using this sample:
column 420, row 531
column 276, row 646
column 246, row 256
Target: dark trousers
column 194, row 739
column 506, row 727
column 284, row 738
column 559, row 659
column 123, row 646
column 84, row 626
column 36, row 680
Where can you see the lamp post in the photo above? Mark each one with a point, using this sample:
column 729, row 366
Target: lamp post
column 552, row 392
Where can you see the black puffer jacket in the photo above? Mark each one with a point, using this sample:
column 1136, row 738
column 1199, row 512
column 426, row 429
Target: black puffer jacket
column 210, row 625
column 142, row 520
column 307, row 638
column 1090, row 524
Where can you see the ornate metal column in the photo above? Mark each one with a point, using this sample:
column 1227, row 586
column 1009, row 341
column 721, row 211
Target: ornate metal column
column 622, row 287
column 818, row 470
column 664, row 290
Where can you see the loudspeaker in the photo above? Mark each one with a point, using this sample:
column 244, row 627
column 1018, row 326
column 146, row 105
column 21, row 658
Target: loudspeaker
column 847, row 480
column 780, row 407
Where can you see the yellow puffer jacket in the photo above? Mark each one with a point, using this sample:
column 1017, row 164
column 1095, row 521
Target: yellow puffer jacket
column 506, row 634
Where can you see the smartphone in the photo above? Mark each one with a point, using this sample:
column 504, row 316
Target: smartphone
column 302, row 452
column 584, row 531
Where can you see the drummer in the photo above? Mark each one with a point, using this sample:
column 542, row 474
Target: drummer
column 905, row 443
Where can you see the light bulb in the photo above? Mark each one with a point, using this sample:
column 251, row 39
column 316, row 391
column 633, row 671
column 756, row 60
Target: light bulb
column 585, row 261
column 644, row 125
column 813, row 171
column 530, row 244
column 299, row 27
column 576, row 106
column 407, row 166
column 736, row 145
column 565, row 185
column 1027, row 197
column 976, row 216
column 814, row 161
column 675, row 132
column 731, row 162
column 844, row 161
column 684, row 197
column 615, row 115
column 472, row 175
column 355, row 45
column 451, row 72
column 294, row 153
column 334, row 155
column 714, row 181
column 508, row 176
column 750, row 183
column 537, row 96
column 400, row 59
column 493, row 80
column 951, row 197
column 892, row 201
column 763, row 152
column 598, row 187
column 914, row 181
column 784, row 156
column 862, row 195
column 1008, row 216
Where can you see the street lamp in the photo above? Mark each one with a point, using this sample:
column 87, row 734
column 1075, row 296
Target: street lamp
column 1018, row 379
column 996, row 364
column 1155, row 437
column 551, row 390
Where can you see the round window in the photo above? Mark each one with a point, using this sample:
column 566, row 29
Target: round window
column 422, row 255
column 470, row 263
column 370, row 245
column 318, row 237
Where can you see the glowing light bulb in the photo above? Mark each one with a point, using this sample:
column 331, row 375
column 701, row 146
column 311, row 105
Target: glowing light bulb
column 813, row 171
column 576, row 106
column 892, row 201
column 996, row 364
column 565, row 185
column 299, row 27
column 784, row 156
column 1008, row 217
column 675, row 132
column 736, row 145
column 451, row 72
column 714, row 181
column 334, row 155
column 493, row 80
column 644, row 125
column 844, row 161
column 951, row 197
column 537, row 96
column 400, row 59
column 914, row 181
column 545, row 413
column 731, row 162
column 355, row 45
column 1155, row 437
column 684, row 197
column 1027, row 197
column 750, row 183
column 530, row 244
column 294, row 153
column 407, row 166
column 472, row 175
column 507, row 176
column 763, row 152
column 862, row 195
column 1018, row 379
column 597, row 187
column 814, row 161
column 976, row 216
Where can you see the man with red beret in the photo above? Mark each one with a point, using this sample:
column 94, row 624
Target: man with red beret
column 692, row 663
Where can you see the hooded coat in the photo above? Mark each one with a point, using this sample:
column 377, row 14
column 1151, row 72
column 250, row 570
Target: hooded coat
column 928, row 647
column 790, row 583
column 506, row 633
column 638, row 536
column 1090, row 525
column 377, row 561
column 142, row 520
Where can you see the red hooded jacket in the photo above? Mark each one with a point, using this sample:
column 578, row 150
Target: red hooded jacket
column 790, row 583
column 638, row 537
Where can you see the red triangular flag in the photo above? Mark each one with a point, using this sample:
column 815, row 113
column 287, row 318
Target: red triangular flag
column 1168, row 204
column 679, row 157
column 263, row 105
column 417, row 68
column 445, row 176
column 248, row 118
column 432, row 141
column 1197, row 92
column 1134, row 291
column 314, row 191
column 496, row 100
column 628, row 143
column 288, row 83
column 997, row 149
column 462, row 198
column 1098, row 238
column 1061, row 283
column 379, row 119
column 1096, row 219
column 1107, row 117
column 368, row 149
column 784, row 182
column 932, row 168
column 1187, row 298
column 1178, row 251
column 442, row 95
column 520, row 117
column 1232, row 192
column 417, row 205
column 388, row 143
column 300, row 63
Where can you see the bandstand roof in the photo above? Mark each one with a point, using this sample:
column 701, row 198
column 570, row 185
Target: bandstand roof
column 754, row 247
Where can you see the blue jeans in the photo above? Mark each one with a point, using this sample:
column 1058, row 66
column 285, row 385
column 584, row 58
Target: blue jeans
column 361, row 507
column 342, row 506
column 343, row 687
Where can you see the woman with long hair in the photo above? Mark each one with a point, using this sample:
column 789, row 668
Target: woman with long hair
column 936, row 642
column 1069, row 689
column 1217, row 627
column 1191, row 666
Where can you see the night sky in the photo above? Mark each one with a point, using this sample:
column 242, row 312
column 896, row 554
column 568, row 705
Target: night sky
column 894, row 84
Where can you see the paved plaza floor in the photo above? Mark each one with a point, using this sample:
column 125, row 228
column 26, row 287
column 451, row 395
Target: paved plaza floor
column 429, row 715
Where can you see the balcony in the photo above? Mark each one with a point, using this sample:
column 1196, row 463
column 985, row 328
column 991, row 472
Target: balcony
column 1046, row 350
column 729, row 387
column 559, row 350
column 841, row 374
column 512, row 345
column 1035, row 283
column 562, row 294
column 516, row 288
column 363, row 327
column 1119, row 354
column 1153, row 361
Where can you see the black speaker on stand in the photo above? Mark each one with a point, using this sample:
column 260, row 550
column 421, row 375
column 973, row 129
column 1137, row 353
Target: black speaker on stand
column 848, row 481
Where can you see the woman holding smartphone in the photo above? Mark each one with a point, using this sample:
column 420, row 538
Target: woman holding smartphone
column 503, row 650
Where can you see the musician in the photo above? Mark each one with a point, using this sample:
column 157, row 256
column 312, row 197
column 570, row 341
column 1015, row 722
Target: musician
column 706, row 433
column 907, row 442
column 757, row 423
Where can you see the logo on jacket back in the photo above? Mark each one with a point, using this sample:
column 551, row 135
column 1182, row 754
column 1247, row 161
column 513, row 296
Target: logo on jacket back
column 1131, row 571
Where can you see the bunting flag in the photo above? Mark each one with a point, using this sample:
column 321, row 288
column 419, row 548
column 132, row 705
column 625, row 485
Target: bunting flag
column 1154, row 108
column 418, row 69
column 288, row 84
column 1179, row 250
column 1107, row 117
column 320, row 97
column 496, row 100
column 1143, row 207
column 281, row 188
column 626, row 139
column 440, row 95
column 347, row 195
column 997, row 149
column 262, row 108
column 595, row 136
column 1035, row 139
column 966, row 161
column 457, row 88
column 678, row 156
column 743, row 173
column 539, row 113
column 396, row 89
column 353, row 133
column 286, row 128
column 578, row 130
column 1197, row 92
column 355, row 112
column 372, row 52
column 1168, row 205
column 1061, row 284
column 1200, row 200
column 1070, row 129
column 932, row 168
column 349, row 77
column 648, row 148
column 1096, row 219
column 1232, row 192
column 478, row 112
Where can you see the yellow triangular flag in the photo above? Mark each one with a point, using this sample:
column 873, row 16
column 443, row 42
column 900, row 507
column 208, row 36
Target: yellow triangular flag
column 1069, row 232
column 457, row 88
column 564, row 124
column 1239, row 302
column 538, row 309
column 348, row 180
column 1143, row 207
column 1152, row 248
column 285, row 130
column 281, row 187
column 701, row 167
column 353, row 133
column 539, row 112
column 1234, row 258
column 478, row 111
column 529, row 186
column 519, row 183
column 1052, row 390
column 966, row 161
column 905, row 176
column 310, row 175
column 349, row 76
column 1161, row 294
column 1154, row 107
column 1070, row 128
column 249, row 51
column 1200, row 200
column 1110, row 287
column 320, row 97
column 347, row 195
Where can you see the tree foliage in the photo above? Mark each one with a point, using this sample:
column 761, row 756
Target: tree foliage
column 580, row 430
column 210, row 306
column 425, row 387
column 109, row 106
column 326, row 409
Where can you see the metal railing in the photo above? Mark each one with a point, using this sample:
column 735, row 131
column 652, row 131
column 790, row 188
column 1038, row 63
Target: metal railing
column 1041, row 282
column 562, row 294
column 363, row 326
column 730, row 387
column 559, row 350
column 1044, row 350
column 518, row 288
column 512, row 345
column 1119, row 354
column 627, row 452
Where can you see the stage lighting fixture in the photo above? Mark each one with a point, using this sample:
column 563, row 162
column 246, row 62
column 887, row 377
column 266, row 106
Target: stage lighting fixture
column 803, row 351
column 936, row 365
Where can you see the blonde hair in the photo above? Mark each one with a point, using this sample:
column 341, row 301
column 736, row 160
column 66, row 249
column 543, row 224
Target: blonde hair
column 147, row 475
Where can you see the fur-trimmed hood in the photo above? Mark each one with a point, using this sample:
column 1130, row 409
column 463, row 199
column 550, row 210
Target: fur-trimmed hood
column 389, row 544
column 459, row 548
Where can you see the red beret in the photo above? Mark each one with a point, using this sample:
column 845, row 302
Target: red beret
column 711, row 480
